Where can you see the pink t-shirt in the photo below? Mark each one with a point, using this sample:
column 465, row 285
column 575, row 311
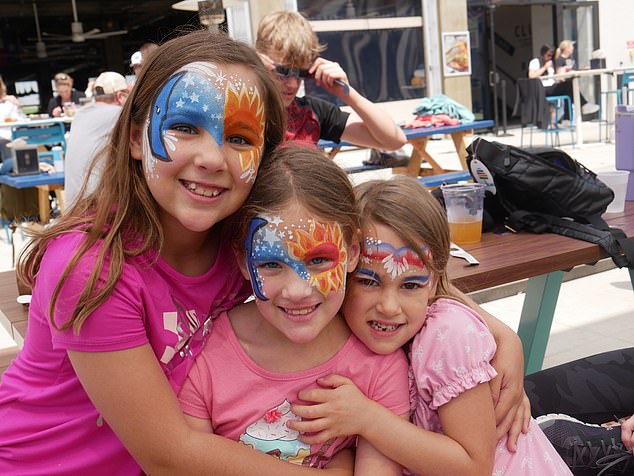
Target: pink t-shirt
column 250, row 404
column 451, row 355
column 47, row 423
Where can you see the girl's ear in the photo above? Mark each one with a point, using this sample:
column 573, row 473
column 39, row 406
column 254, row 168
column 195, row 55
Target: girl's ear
column 136, row 141
column 353, row 254
column 241, row 259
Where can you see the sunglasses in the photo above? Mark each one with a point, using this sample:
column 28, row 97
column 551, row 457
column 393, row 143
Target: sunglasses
column 286, row 72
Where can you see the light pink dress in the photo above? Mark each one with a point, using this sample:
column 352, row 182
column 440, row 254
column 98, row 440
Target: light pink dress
column 451, row 355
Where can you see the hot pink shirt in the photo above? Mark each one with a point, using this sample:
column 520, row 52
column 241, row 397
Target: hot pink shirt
column 250, row 404
column 451, row 355
column 47, row 423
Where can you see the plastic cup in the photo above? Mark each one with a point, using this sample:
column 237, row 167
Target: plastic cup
column 617, row 181
column 464, row 204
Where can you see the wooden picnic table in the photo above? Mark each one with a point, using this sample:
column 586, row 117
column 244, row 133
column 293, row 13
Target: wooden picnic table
column 419, row 138
column 542, row 259
column 45, row 183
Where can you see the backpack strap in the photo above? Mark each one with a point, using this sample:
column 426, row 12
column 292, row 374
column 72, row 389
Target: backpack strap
column 612, row 240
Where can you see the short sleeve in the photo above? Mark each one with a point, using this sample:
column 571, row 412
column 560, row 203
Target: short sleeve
column 332, row 120
column 116, row 324
column 533, row 65
column 452, row 353
column 391, row 386
column 195, row 394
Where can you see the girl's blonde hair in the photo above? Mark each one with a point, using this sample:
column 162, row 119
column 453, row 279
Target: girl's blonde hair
column 564, row 45
column 304, row 175
column 404, row 205
column 290, row 35
column 121, row 217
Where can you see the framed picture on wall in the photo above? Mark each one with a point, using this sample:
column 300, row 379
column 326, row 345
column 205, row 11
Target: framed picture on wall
column 456, row 53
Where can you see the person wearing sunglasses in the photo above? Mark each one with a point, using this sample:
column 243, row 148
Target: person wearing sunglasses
column 290, row 49
column 66, row 94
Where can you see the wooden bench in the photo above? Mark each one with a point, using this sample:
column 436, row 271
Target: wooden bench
column 419, row 137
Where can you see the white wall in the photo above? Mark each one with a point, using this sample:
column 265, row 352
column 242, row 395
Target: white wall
column 616, row 25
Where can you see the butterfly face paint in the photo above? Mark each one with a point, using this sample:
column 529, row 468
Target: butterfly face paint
column 314, row 251
column 202, row 96
column 395, row 261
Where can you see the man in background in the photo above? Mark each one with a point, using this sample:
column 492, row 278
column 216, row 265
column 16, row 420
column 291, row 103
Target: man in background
column 89, row 133
column 138, row 57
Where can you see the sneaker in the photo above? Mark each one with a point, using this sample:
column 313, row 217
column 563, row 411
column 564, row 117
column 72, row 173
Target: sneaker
column 587, row 446
column 589, row 108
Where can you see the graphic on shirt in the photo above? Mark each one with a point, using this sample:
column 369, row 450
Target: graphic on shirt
column 202, row 96
column 271, row 239
column 302, row 125
column 270, row 435
column 183, row 323
column 395, row 261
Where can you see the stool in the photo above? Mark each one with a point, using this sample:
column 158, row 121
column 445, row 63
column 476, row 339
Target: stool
column 559, row 103
column 604, row 95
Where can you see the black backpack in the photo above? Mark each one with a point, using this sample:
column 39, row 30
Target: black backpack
column 545, row 190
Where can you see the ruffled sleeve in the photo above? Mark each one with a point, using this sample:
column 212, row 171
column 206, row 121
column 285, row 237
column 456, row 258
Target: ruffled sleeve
column 452, row 353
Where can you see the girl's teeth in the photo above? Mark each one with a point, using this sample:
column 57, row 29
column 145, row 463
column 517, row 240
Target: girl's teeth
column 383, row 327
column 300, row 312
column 192, row 187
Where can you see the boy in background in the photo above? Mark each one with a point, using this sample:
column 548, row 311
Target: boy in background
column 290, row 49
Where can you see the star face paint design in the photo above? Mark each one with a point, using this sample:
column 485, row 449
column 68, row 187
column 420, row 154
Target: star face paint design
column 202, row 96
column 315, row 251
column 395, row 261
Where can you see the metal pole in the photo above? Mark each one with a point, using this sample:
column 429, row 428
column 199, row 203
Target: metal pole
column 503, row 82
column 493, row 75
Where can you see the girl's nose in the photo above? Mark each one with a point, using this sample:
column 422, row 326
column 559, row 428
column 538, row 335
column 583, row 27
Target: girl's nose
column 296, row 288
column 209, row 155
column 389, row 304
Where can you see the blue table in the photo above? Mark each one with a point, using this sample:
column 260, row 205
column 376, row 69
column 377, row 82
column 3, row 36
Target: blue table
column 419, row 137
column 44, row 183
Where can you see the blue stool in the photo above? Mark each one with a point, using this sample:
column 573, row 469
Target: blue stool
column 604, row 96
column 559, row 103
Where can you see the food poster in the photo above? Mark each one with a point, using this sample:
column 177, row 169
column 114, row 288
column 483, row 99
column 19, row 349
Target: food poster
column 456, row 53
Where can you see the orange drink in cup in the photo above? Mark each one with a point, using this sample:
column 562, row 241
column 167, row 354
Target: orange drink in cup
column 464, row 204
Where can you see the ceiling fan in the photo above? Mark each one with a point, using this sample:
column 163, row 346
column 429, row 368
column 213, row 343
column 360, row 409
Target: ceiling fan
column 77, row 31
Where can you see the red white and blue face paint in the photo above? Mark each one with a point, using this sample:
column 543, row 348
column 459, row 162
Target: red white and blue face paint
column 314, row 251
column 203, row 96
column 395, row 261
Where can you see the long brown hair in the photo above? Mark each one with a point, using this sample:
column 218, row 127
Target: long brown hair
column 301, row 174
column 408, row 208
column 121, row 213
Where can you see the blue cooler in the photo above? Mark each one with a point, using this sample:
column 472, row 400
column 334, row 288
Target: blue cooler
column 624, row 137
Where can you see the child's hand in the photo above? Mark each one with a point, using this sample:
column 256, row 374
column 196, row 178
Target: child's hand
column 340, row 409
column 512, row 408
column 627, row 433
column 268, row 62
column 329, row 75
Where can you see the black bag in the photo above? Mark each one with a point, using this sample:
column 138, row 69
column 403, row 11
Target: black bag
column 545, row 190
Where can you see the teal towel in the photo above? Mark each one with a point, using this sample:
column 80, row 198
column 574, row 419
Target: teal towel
column 441, row 104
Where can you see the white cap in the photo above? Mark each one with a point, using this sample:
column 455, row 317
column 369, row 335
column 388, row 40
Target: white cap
column 136, row 58
column 110, row 82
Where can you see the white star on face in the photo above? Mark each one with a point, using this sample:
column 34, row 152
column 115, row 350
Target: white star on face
column 269, row 236
column 180, row 103
column 275, row 221
column 194, row 97
column 205, row 108
column 189, row 80
column 218, row 97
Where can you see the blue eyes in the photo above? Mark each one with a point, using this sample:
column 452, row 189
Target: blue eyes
column 184, row 128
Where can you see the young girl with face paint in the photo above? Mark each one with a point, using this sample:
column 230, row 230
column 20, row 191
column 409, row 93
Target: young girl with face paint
column 300, row 240
column 400, row 295
column 127, row 284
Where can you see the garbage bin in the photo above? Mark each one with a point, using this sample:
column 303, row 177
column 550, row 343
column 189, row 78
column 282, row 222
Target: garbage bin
column 624, row 137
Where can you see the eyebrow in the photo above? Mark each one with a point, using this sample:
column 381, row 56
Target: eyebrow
column 422, row 279
column 368, row 272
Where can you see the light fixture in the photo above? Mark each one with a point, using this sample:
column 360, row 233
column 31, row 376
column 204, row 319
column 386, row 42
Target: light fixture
column 211, row 13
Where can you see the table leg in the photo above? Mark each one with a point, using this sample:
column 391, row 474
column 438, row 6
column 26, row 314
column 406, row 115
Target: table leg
column 576, row 104
column 43, row 204
column 418, row 154
column 461, row 146
column 537, row 317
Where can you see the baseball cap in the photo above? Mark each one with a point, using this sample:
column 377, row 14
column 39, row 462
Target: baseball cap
column 62, row 78
column 109, row 83
column 136, row 59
